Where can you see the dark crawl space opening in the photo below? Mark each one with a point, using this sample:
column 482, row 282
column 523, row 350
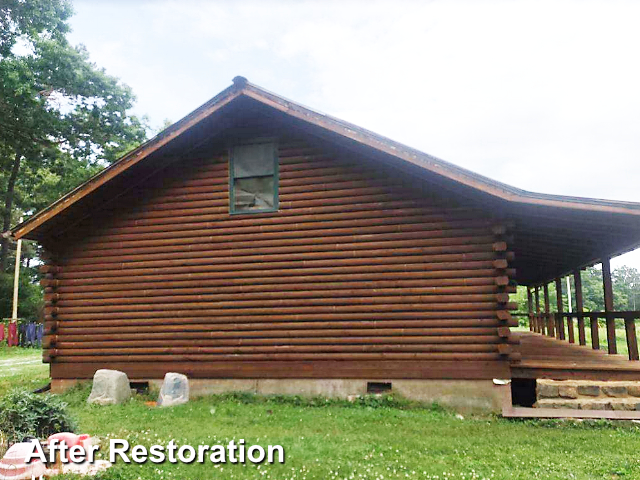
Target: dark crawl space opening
column 523, row 392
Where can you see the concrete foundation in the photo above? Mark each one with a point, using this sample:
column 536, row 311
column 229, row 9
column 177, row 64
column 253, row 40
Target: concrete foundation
column 465, row 396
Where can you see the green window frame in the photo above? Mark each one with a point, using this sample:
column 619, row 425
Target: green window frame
column 253, row 177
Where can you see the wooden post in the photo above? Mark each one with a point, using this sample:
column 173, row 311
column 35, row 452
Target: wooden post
column 530, row 305
column 537, row 322
column 608, row 306
column 547, row 310
column 577, row 279
column 632, row 339
column 595, row 333
column 16, row 280
column 560, row 310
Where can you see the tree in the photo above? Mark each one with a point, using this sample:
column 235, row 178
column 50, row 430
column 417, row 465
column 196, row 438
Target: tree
column 61, row 117
column 592, row 289
column 626, row 288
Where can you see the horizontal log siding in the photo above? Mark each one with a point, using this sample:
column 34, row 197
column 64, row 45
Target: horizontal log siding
column 361, row 264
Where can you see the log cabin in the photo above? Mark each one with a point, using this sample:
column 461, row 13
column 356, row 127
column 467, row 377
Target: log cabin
column 259, row 245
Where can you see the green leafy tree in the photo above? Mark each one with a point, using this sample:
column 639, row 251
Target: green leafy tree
column 592, row 290
column 626, row 288
column 29, row 298
column 61, row 117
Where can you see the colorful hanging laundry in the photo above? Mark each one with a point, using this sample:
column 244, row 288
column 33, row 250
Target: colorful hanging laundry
column 12, row 339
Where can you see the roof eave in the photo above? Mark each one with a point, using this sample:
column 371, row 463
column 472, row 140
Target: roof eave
column 349, row 131
column 23, row 229
column 434, row 164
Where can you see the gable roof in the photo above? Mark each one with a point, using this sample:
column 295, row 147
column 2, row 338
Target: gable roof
column 36, row 226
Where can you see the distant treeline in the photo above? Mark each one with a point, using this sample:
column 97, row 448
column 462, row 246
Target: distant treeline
column 626, row 291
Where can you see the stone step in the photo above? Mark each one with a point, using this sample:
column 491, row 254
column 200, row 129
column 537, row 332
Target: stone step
column 586, row 388
column 590, row 404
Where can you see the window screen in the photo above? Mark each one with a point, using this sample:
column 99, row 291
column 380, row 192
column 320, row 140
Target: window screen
column 254, row 178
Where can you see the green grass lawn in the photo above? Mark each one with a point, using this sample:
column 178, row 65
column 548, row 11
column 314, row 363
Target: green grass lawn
column 338, row 440
column 12, row 353
column 22, row 367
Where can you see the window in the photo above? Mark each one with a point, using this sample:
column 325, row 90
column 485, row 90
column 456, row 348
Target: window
column 253, row 177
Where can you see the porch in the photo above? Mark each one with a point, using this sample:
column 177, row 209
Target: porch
column 552, row 358
column 571, row 345
column 550, row 245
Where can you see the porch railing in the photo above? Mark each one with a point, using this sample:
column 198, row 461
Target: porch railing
column 553, row 325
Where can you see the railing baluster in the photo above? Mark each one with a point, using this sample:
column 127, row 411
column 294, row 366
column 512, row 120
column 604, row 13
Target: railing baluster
column 612, row 347
column 559, row 309
column 582, row 337
column 537, row 296
column 560, row 327
column 632, row 340
column 595, row 335
column 577, row 278
column 530, row 308
column 548, row 317
column 612, row 344
column 572, row 338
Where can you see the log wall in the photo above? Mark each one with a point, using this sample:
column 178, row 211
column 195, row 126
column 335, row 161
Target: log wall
column 364, row 272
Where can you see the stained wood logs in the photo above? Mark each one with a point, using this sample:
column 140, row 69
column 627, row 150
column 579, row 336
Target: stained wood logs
column 361, row 263
column 501, row 231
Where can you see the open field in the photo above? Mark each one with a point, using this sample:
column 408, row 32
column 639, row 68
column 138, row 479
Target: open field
column 375, row 439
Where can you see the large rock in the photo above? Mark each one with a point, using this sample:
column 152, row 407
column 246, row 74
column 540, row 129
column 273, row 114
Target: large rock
column 174, row 391
column 110, row 387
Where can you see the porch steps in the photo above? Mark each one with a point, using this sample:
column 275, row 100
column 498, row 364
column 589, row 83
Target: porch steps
column 588, row 395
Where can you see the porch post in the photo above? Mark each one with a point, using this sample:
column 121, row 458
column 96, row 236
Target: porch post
column 530, row 306
column 537, row 325
column 547, row 310
column 560, row 309
column 608, row 306
column 577, row 278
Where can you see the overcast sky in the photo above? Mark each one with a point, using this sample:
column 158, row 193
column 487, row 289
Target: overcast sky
column 541, row 95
